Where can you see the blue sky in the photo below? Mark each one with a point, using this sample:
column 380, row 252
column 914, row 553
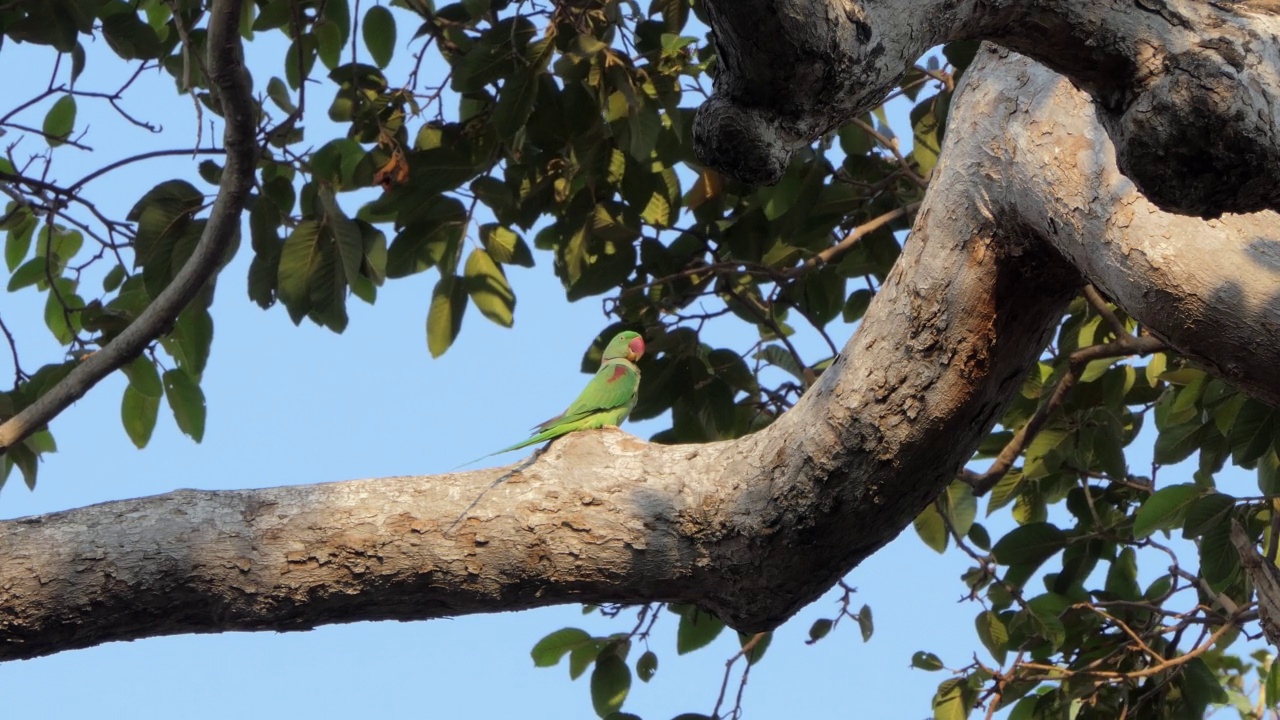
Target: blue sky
column 294, row 405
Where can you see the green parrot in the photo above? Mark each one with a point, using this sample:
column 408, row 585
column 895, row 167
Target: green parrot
column 606, row 400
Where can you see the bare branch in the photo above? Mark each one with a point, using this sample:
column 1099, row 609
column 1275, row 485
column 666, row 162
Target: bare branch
column 861, row 231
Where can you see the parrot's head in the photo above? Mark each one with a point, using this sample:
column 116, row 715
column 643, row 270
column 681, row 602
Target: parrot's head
column 627, row 345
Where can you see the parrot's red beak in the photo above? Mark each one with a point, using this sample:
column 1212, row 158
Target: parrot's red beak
column 635, row 349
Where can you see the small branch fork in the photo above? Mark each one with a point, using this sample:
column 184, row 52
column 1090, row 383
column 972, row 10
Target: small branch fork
column 747, row 648
column 227, row 73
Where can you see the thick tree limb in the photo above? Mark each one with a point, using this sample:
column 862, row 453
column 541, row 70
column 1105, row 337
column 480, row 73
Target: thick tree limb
column 1210, row 289
column 751, row 529
column 1186, row 87
column 232, row 87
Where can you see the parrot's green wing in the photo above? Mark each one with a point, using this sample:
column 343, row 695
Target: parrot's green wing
column 606, row 400
column 614, row 387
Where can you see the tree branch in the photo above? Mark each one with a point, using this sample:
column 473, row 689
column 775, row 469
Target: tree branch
column 1025, row 194
column 1185, row 89
column 231, row 83
column 1208, row 289
column 751, row 529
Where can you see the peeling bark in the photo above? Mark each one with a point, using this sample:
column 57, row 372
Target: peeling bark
column 1186, row 88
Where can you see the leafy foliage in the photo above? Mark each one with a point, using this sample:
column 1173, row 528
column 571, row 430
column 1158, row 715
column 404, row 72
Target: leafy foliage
column 559, row 133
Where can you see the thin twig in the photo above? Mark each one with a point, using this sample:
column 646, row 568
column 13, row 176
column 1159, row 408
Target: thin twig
column 18, row 375
column 853, row 237
column 1202, row 648
column 1100, row 305
column 188, row 54
column 135, row 158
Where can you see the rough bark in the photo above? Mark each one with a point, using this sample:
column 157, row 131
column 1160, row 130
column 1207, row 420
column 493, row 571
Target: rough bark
column 1211, row 289
column 750, row 529
column 1186, row 88
column 1027, row 195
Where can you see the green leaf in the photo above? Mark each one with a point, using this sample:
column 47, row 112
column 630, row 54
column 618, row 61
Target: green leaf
column 856, row 305
column 487, row 285
column 300, row 58
column 515, row 99
column 328, row 43
column 646, row 666
column 346, row 235
column 953, row 700
column 25, row 459
column 505, row 246
column 60, row 121
column 138, row 414
column 1206, row 512
column 697, row 629
column 186, row 399
column 515, row 104
column 1269, row 473
column 1253, row 432
column 978, row 536
column 931, row 528
column 926, row 661
column 610, row 683
column 1201, row 686
column 1219, row 561
column 30, row 273
column 581, row 658
column 1177, row 443
column 819, row 629
column 993, row 634
column 339, row 13
column 143, row 377
column 279, row 95
column 927, row 127
column 675, row 13
column 299, row 260
column 1122, row 576
column 1046, row 622
column 165, row 232
column 1030, row 544
column 60, row 310
column 551, row 649
column 379, row 30
column 960, row 506
column 444, row 319
column 778, row 356
column 865, row 624
column 114, row 277
column 191, row 339
column 18, row 242
column 1165, row 509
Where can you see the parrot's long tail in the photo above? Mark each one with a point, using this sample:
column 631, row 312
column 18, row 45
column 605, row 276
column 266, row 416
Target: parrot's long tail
column 543, row 436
